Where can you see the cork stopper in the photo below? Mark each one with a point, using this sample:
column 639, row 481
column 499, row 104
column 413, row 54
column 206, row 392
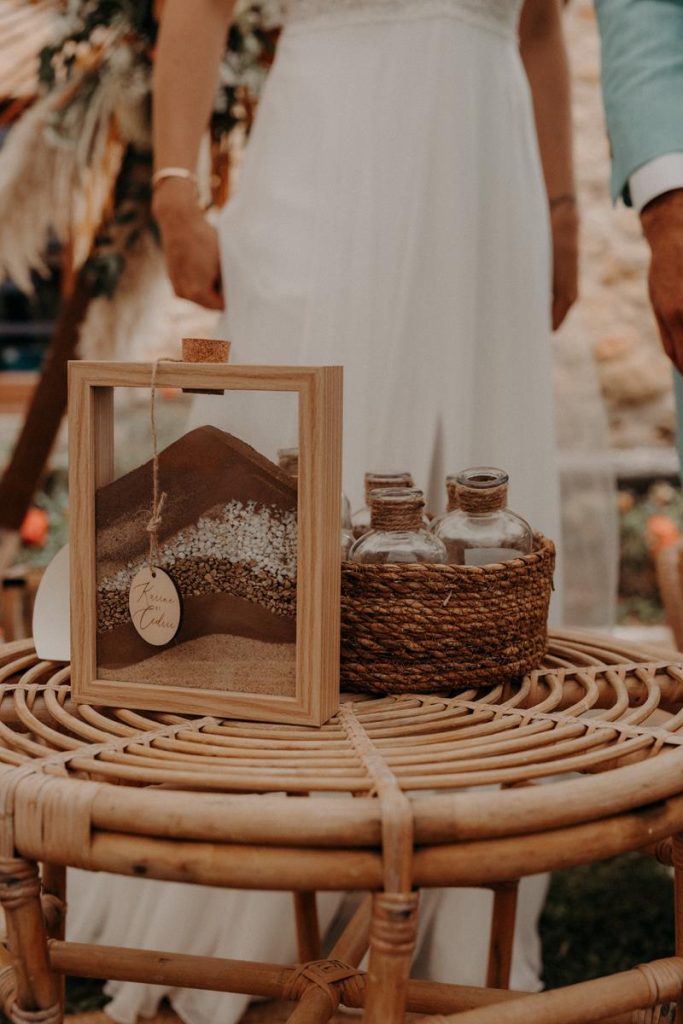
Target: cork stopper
column 386, row 481
column 288, row 461
column 453, row 501
column 482, row 490
column 205, row 350
column 397, row 509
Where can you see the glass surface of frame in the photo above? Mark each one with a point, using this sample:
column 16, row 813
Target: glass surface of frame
column 206, row 579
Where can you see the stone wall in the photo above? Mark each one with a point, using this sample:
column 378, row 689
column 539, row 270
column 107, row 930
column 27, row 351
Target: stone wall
column 614, row 313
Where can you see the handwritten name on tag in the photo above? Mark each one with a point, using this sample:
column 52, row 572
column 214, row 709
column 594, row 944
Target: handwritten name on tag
column 154, row 605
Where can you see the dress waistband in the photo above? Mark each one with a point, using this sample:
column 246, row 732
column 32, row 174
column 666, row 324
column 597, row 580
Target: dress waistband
column 500, row 16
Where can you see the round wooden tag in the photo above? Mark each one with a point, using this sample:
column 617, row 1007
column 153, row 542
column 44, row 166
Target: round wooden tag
column 154, row 604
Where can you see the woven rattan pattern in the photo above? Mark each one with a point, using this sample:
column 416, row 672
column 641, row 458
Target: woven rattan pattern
column 418, row 628
column 611, row 711
column 588, row 709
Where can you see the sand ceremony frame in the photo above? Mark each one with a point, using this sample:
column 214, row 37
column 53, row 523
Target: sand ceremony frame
column 206, row 580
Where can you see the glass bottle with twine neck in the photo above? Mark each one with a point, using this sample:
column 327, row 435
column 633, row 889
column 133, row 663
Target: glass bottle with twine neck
column 481, row 530
column 377, row 482
column 288, row 461
column 452, row 501
column 397, row 533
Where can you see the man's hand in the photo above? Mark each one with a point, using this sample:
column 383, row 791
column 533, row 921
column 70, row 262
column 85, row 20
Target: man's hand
column 564, row 222
column 190, row 244
column 662, row 221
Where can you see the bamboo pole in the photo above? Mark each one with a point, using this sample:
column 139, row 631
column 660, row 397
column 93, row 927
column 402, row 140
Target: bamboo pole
column 47, row 408
column 281, row 868
column 240, row 867
column 54, row 911
column 269, row 981
column 54, row 887
column 438, row 817
column 648, row 985
column 392, row 941
column 307, row 927
column 482, row 863
column 502, row 934
column 8, row 981
column 352, row 944
column 314, row 1007
column 37, row 987
column 177, row 970
column 677, row 858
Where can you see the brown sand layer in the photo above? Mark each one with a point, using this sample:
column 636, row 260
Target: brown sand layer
column 234, row 664
column 232, row 588
column 204, row 468
column 207, row 617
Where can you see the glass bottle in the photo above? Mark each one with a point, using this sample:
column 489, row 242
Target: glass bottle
column 346, row 513
column 482, row 529
column 288, row 461
column 451, row 501
column 347, row 541
column 374, row 482
column 397, row 532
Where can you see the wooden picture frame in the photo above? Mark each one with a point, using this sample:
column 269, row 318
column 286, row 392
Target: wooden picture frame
column 91, row 458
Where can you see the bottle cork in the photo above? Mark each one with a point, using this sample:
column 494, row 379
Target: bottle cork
column 205, row 350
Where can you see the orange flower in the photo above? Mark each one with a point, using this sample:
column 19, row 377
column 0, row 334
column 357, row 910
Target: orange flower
column 35, row 527
column 661, row 532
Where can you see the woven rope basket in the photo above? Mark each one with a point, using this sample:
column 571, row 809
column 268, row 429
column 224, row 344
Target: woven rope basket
column 423, row 628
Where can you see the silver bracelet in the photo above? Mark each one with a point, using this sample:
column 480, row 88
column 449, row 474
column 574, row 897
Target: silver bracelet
column 173, row 172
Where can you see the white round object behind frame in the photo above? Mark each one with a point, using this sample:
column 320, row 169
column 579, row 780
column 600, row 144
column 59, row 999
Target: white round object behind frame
column 51, row 613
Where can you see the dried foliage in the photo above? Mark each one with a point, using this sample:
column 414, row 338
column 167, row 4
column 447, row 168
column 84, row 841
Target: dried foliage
column 81, row 153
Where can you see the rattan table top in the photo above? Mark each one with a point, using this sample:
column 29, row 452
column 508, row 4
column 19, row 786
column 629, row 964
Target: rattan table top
column 609, row 711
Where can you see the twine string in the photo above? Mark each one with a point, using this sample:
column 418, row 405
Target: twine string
column 482, row 499
column 158, row 500
column 396, row 515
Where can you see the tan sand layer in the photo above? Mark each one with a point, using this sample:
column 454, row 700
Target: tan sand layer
column 235, row 664
column 202, row 617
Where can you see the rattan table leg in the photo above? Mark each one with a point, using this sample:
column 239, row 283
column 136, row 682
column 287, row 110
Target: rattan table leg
column 677, row 859
column 313, row 1008
column 641, row 996
column 8, row 981
column 54, row 910
column 37, row 999
column 392, row 940
column 502, row 934
column 307, row 927
column 321, row 986
column 353, row 943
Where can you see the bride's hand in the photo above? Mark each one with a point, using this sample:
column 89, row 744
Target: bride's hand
column 190, row 244
column 565, row 231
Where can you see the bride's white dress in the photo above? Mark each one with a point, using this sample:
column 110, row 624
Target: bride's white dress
column 391, row 217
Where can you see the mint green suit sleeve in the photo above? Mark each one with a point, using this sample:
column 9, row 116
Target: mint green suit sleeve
column 642, row 81
column 642, row 77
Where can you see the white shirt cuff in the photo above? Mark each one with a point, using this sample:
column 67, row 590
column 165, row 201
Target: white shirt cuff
column 656, row 177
